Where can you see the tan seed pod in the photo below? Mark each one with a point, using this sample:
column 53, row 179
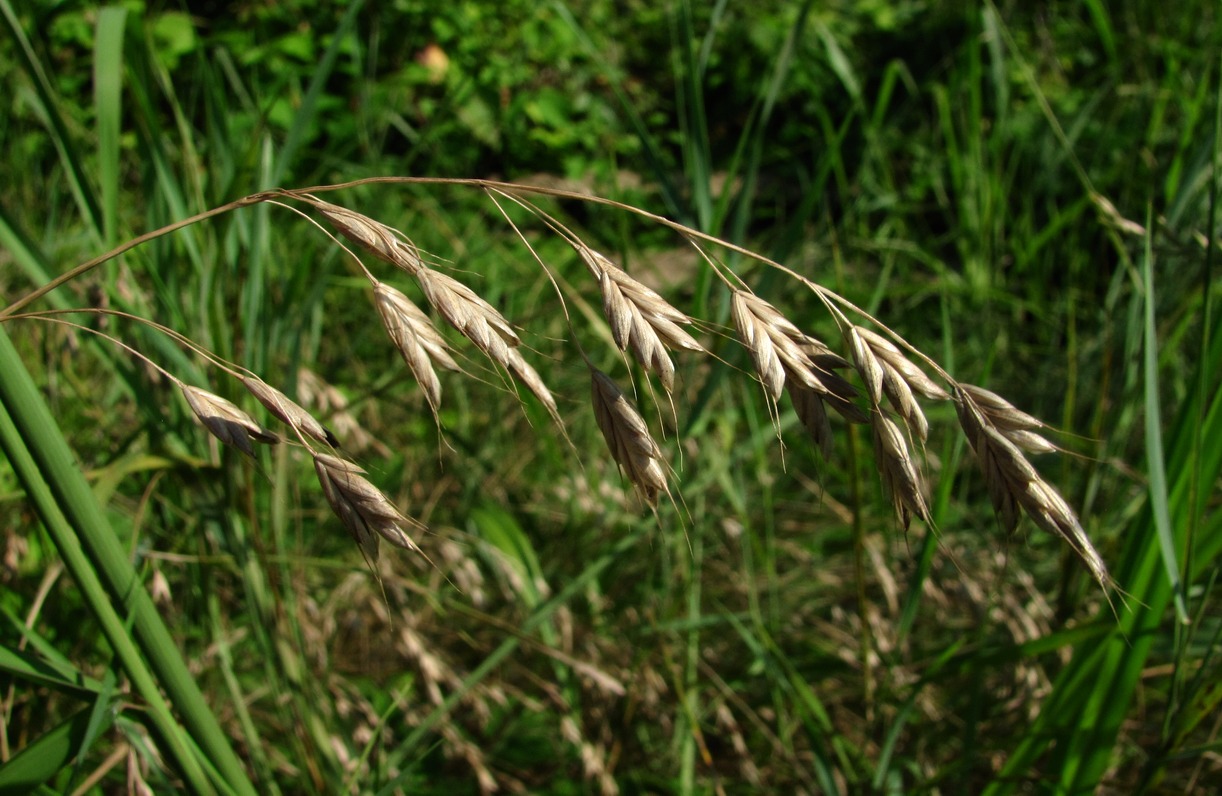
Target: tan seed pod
column 891, row 355
column 373, row 236
column 774, row 343
column 627, row 435
column 1001, row 412
column 640, row 319
column 868, row 365
column 474, row 318
column 225, row 421
column 900, row 476
column 288, row 411
column 526, row 374
column 365, row 512
column 1013, row 483
column 418, row 341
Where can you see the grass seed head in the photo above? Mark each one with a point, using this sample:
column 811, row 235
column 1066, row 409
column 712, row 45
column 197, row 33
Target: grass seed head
column 418, row 341
column 901, row 478
column 474, row 318
column 362, row 508
column 774, row 343
column 628, row 437
column 373, row 236
column 225, row 421
column 288, row 411
column 640, row 319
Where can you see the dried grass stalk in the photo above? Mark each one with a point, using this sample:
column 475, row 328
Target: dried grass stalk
column 362, row 508
column 288, row 411
column 418, row 341
column 901, row 478
column 628, row 437
column 225, row 421
column 1012, row 482
column 374, row 237
column 640, row 319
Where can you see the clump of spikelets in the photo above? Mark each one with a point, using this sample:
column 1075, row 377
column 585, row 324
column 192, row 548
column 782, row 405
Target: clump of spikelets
column 872, row 377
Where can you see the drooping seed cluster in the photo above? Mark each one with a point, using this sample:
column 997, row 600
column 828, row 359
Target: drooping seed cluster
column 647, row 327
column 364, row 510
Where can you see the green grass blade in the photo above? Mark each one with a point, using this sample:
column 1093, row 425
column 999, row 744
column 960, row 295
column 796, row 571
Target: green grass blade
column 1167, row 542
column 69, row 156
column 108, row 104
column 48, row 674
column 46, row 756
column 40, row 455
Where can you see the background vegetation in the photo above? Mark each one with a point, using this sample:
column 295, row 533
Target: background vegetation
column 1023, row 190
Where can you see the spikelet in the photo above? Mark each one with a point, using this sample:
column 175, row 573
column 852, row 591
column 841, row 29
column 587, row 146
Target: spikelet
column 1012, row 482
column 418, row 341
column 628, row 437
column 225, row 421
column 365, row 512
column 288, row 411
column 373, row 236
column 641, row 321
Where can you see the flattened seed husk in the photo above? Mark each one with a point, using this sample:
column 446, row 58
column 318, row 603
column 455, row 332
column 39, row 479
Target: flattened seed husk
column 526, row 374
column 868, row 365
column 1001, row 412
column 373, row 236
column 474, row 318
column 632, row 447
column 225, row 421
column 362, row 508
column 891, row 355
column 774, row 343
column 899, row 473
column 288, row 411
column 640, row 319
column 418, row 341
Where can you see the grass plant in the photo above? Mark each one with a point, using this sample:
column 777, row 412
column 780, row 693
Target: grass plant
column 699, row 479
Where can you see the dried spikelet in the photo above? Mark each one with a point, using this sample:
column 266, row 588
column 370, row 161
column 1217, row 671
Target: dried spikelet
column 641, row 320
column 418, row 341
column 628, row 437
column 1013, row 483
column 361, row 507
column 288, row 411
column 868, row 365
column 900, row 475
column 474, row 318
column 373, row 236
column 486, row 328
column 774, row 343
column 225, row 421
column 1015, row 424
column 835, row 390
column 892, row 357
